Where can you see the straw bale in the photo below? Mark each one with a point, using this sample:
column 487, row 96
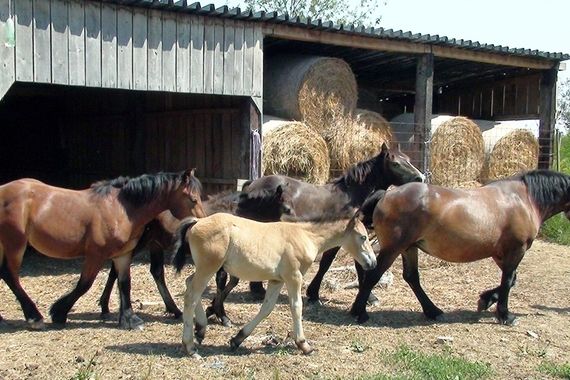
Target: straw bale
column 309, row 88
column 509, row 151
column 457, row 152
column 373, row 120
column 295, row 150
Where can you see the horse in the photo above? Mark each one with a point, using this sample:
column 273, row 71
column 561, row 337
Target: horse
column 159, row 234
column 499, row 220
column 279, row 252
column 389, row 167
column 102, row 222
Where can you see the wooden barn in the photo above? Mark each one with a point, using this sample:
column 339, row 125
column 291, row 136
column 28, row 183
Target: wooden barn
column 93, row 89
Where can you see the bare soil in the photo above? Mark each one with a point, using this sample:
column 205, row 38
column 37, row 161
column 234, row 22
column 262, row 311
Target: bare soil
column 540, row 300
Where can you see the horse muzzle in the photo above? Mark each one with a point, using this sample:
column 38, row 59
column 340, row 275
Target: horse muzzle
column 369, row 261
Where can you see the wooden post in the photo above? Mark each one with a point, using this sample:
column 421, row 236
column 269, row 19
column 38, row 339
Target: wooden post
column 423, row 108
column 547, row 114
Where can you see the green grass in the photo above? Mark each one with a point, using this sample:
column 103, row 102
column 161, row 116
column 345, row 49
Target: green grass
column 556, row 370
column 413, row 365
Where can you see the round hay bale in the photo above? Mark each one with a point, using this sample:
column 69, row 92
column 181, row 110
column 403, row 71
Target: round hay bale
column 295, row 150
column 350, row 142
column 457, row 152
column 516, row 150
column 374, row 121
column 311, row 89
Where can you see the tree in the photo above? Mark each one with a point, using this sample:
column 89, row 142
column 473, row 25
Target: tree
column 563, row 106
column 365, row 12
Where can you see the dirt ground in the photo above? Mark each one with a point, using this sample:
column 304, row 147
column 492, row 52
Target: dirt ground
column 540, row 300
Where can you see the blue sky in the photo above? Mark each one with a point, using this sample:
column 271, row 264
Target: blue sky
column 531, row 24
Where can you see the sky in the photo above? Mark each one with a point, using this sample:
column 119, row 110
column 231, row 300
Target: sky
column 529, row 24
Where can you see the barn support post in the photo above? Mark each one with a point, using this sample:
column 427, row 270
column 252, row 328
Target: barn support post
column 547, row 116
column 250, row 157
column 423, row 108
column 7, row 51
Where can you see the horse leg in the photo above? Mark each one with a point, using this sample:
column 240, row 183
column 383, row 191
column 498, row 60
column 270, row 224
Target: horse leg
column 412, row 277
column 157, row 271
column 127, row 318
column 195, row 286
column 360, row 274
column 324, row 265
column 385, row 260
column 256, row 290
column 106, row 295
column 9, row 268
column 489, row 297
column 222, row 292
column 61, row 307
column 507, row 282
column 271, row 294
column 296, row 305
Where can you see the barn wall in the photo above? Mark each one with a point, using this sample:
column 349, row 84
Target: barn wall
column 87, row 43
column 77, row 136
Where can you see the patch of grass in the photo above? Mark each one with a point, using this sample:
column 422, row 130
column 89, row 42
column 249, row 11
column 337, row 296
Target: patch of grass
column 87, row 371
column 556, row 230
column 413, row 365
column 556, row 370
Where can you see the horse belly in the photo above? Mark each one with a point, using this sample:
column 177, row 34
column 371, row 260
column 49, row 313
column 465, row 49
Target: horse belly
column 457, row 251
column 248, row 266
column 58, row 241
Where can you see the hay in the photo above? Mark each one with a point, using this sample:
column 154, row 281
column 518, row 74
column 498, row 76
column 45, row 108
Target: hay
column 509, row 151
column 350, row 142
column 295, row 150
column 457, row 152
column 374, row 121
column 309, row 88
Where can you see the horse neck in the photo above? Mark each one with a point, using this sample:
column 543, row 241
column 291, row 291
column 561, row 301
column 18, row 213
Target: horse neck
column 143, row 214
column 326, row 235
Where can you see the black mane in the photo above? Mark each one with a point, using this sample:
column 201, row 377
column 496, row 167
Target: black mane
column 145, row 188
column 546, row 187
column 359, row 174
column 226, row 201
column 332, row 214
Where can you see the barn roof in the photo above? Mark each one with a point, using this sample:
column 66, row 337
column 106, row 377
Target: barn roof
column 185, row 6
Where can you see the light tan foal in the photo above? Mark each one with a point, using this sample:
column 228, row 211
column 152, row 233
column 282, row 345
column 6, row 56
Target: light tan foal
column 279, row 252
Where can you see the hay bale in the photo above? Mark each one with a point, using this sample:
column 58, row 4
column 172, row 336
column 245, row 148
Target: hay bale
column 293, row 149
column 311, row 89
column 508, row 152
column 374, row 121
column 457, row 152
column 350, row 142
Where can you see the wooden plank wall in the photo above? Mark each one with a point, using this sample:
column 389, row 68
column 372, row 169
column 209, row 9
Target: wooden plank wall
column 514, row 98
column 87, row 43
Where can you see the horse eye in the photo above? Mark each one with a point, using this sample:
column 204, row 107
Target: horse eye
column 363, row 237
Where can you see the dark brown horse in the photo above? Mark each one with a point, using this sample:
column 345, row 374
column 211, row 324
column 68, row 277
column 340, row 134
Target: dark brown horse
column 499, row 220
column 389, row 167
column 99, row 223
column 158, row 237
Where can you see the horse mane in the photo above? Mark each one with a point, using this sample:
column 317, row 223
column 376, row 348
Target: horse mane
column 357, row 174
column 546, row 186
column 145, row 188
column 220, row 202
column 332, row 214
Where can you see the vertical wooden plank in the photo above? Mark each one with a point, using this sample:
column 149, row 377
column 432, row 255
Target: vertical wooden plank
column 238, row 58
column 547, row 116
column 24, row 43
column 248, row 60
column 42, row 41
column 76, row 43
column 125, row 48
column 189, row 160
column 7, row 53
column 209, row 47
column 258, row 62
column 59, row 41
column 168, row 53
column 229, row 57
column 218, row 57
column 197, row 54
column 140, row 68
column 93, row 44
column 226, row 142
column 215, row 145
column 423, row 108
column 154, row 50
column 182, row 53
column 199, row 152
column 109, row 45
column 236, row 137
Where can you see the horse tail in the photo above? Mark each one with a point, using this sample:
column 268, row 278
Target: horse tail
column 181, row 246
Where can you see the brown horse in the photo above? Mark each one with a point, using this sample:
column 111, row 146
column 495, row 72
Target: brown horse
column 389, row 167
column 499, row 220
column 99, row 223
column 159, row 234
column 280, row 252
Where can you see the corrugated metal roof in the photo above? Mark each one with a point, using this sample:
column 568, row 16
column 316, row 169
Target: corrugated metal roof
column 390, row 34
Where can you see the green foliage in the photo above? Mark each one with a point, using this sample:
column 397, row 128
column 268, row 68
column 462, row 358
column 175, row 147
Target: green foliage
column 563, row 105
column 87, row 371
column 414, row 365
column 365, row 12
column 556, row 370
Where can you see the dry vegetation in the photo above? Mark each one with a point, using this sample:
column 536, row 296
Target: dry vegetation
column 343, row 350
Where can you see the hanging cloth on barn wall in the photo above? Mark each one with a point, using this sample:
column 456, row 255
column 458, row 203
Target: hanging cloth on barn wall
column 10, row 35
column 255, row 155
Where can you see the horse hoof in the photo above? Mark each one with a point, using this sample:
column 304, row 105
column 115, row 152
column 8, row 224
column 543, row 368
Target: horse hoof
column 106, row 316
column 305, row 348
column 210, row 311
column 373, row 300
column 482, row 305
column 510, row 320
column 234, row 344
column 175, row 314
column 434, row 315
column 132, row 323
column 226, row 322
column 362, row 318
column 314, row 301
column 36, row 325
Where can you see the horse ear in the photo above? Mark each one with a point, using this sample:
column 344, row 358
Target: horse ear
column 384, row 147
column 279, row 192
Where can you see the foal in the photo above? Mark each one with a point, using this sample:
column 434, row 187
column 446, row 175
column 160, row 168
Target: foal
column 280, row 252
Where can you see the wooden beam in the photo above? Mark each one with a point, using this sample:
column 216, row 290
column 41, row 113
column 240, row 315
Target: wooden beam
column 7, row 53
column 380, row 44
column 423, row 106
column 547, row 115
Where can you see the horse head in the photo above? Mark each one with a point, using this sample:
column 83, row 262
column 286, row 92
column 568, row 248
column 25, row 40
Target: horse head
column 357, row 244
column 397, row 168
column 187, row 198
column 264, row 205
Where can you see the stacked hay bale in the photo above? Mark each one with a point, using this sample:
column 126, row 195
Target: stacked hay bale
column 321, row 92
column 457, row 153
column 292, row 148
column 508, row 151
